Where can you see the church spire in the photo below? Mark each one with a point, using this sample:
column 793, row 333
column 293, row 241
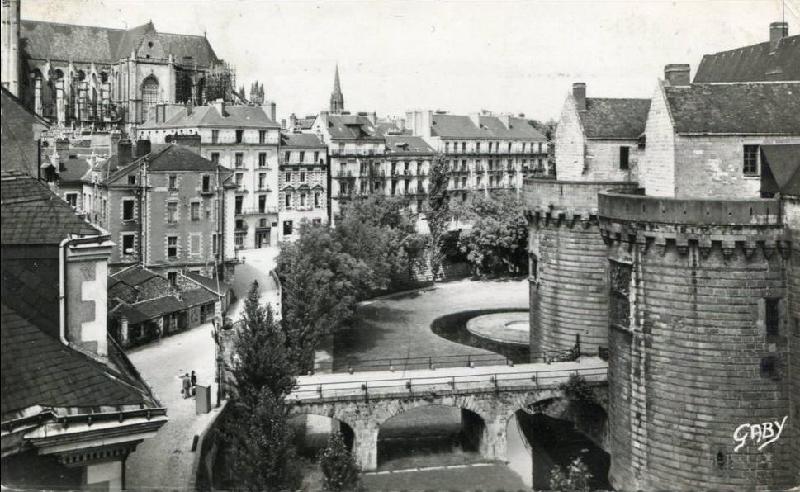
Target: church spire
column 337, row 98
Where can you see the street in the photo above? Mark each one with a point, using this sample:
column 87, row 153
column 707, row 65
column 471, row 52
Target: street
column 165, row 461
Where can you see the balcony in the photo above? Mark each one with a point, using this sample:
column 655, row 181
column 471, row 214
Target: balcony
column 257, row 211
column 344, row 174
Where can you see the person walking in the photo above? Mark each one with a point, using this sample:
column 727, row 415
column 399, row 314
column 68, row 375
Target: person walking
column 194, row 383
column 187, row 385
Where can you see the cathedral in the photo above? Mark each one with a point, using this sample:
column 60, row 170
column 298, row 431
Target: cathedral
column 87, row 76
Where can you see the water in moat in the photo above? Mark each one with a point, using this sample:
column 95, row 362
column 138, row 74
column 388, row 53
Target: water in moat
column 437, row 447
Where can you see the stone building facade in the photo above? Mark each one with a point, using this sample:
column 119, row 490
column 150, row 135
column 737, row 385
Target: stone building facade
column 695, row 277
column 484, row 152
column 302, row 183
column 243, row 139
column 98, row 76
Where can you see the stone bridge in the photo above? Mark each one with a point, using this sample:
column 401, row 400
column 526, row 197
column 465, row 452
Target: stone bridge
column 488, row 396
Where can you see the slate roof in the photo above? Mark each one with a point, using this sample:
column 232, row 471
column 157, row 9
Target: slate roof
column 237, row 116
column 40, row 370
column 488, row 127
column 50, row 40
column 33, row 215
column 197, row 297
column 780, row 169
column 752, row 63
column 301, row 141
column 351, row 127
column 179, row 158
column 614, row 119
column 134, row 276
column 76, row 170
column 16, row 135
column 407, row 144
column 742, row 109
column 209, row 283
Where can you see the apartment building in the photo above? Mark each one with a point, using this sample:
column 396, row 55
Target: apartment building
column 244, row 139
column 484, row 152
column 302, row 183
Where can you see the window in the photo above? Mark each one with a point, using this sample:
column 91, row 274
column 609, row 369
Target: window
column 173, row 278
column 287, row 227
column 288, row 200
column 238, row 159
column 128, row 209
column 446, row 147
column 772, row 318
column 215, row 157
column 128, row 244
column 172, row 246
column 463, row 146
column 238, row 241
column 750, row 167
column 237, row 205
column 206, row 184
column 302, row 199
column 770, row 368
column 262, row 136
column 302, row 177
column 239, row 225
column 195, row 244
column 262, row 159
column 214, row 136
column 478, row 147
column 132, row 179
column 316, row 157
column 172, row 212
column 72, row 199
column 239, row 136
column 624, row 154
column 302, row 156
column 238, row 179
column 287, row 156
column 262, row 223
column 316, row 199
column 214, row 244
column 173, row 182
column 262, row 181
column 262, row 204
column 540, row 147
column 195, row 210
column 288, row 177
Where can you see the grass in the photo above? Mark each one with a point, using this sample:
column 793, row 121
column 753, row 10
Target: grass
column 471, row 478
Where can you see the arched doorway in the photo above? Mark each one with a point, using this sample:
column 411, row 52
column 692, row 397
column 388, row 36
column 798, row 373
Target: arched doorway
column 149, row 96
column 430, row 435
column 311, row 433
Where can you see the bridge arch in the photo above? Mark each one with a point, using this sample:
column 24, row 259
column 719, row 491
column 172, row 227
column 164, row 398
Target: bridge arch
column 312, row 432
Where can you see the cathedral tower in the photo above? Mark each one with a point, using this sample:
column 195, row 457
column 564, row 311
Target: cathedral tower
column 337, row 99
column 10, row 45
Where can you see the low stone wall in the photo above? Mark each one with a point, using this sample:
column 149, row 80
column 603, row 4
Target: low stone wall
column 206, row 449
column 578, row 195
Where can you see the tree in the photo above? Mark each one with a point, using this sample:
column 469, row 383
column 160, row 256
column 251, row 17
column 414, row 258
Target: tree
column 575, row 478
column 438, row 213
column 260, row 444
column 498, row 240
column 338, row 466
column 255, row 427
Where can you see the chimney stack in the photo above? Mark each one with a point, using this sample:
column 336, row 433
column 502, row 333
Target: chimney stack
column 579, row 94
column 777, row 31
column 124, row 153
column 142, row 148
column 220, row 105
column 677, row 74
column 292, row 121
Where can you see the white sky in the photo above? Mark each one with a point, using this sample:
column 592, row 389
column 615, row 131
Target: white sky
column 517, row 56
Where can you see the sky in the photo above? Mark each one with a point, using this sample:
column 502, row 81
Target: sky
column 459, row 56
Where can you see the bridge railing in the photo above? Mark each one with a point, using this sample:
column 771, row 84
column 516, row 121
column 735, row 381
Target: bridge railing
column 454, row 360
column 462, row 383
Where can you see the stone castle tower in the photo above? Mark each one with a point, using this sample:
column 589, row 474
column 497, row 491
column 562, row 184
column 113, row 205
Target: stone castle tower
column 10, row 45
column 337, row 98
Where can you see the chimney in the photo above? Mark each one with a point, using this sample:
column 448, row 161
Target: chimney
column 476, row 119
column 579, row 94
column 271, row 109
column 124, row 153
column 191, row 142
column 283, row 123
column 777, row 31
column 220, row 105
column 292, row 120
column 677, row 74
column 372, row 116
column 142, row 148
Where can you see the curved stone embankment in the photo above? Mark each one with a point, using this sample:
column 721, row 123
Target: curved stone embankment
column 511, row 328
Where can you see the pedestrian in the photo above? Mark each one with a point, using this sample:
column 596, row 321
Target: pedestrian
column 194, row 383
column 187, row 384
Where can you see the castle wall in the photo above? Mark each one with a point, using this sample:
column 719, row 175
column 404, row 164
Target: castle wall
column 657, row 166
column 568, row 291
column 691, row 355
